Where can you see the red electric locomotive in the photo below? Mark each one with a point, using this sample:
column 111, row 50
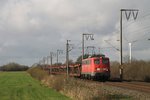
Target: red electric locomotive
column 91, row 68
column 96, row 68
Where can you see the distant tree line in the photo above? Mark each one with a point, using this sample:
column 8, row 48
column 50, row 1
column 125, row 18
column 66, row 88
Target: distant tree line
column 13, row 67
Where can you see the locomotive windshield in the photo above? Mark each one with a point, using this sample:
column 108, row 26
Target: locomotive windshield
column 86, row 62
column 105, row 61
column 97, row 61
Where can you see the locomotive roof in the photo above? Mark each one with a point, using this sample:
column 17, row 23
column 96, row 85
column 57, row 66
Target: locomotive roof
column 95, row 57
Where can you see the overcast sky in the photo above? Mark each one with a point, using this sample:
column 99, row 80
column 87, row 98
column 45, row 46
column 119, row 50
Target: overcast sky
column 30, row 29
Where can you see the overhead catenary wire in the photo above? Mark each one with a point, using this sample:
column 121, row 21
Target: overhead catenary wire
column 144, row 28
column 130, row 22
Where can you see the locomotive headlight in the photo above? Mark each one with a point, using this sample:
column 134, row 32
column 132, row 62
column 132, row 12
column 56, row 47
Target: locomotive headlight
column 98, row 69
column 105, row 69
column 101, row 69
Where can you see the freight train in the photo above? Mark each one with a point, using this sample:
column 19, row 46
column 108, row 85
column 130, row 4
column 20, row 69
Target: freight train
column 91, row 68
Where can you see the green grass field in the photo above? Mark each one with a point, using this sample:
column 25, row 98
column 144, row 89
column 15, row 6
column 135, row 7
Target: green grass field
column 21, row 86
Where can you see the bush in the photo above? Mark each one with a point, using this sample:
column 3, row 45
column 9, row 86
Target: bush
column 37, row 73
column 114, row 68
column 137, row 70
column 13, row 67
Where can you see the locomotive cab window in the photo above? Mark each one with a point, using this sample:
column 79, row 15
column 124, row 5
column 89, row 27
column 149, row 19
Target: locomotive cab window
column 105, row 61
column 86, row 62
column 97, row 61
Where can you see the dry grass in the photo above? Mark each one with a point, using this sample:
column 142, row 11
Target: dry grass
column 76, row 89
column 137, row 70
column 72, row 87
column 114, row 68
column 37, row 73
column 80, row 89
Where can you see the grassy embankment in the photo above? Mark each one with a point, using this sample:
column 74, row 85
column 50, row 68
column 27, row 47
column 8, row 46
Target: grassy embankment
column 75, row 88
column 21, row 86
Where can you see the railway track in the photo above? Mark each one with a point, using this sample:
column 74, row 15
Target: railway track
column 138, row 86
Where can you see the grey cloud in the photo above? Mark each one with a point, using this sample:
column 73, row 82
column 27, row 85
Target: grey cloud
column 30, row 29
